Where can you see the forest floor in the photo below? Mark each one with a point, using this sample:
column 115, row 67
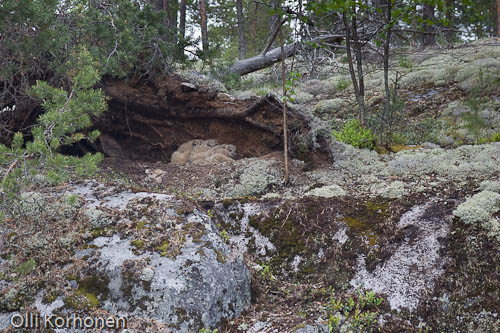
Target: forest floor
column 448, row 98
column 370, row 240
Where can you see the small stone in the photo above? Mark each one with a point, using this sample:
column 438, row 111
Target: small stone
column 188, row 87
column 147, row 274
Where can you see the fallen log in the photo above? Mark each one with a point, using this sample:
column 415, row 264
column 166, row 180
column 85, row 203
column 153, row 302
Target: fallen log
column 261, row 61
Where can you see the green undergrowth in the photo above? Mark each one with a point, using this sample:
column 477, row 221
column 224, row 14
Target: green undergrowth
column 355, row 135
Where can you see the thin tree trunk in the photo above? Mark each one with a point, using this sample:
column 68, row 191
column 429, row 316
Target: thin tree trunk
column 450, row 17
column 204, row 29
column 498, row 17
column 173, row 7
column 160, row 4
column 285, row 108
column 361, row 77
column 350, row 58
column 351, row 36
column 274, row 26
column 275, row 18
column 428, row 38
column 242, row 47
column 387, row 43
column 272, row 36
column 182, row 18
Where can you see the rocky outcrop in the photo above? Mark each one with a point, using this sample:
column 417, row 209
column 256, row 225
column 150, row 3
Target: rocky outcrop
column 155, row 259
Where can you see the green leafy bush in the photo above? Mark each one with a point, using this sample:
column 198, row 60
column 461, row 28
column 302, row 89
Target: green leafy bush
column 354, row 134
column 495, row 137
column 67, row 116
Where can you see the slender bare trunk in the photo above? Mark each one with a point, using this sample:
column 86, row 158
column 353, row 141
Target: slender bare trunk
column 428, row 38
column 361, row 76
column 387, row 49
column 204, row 29
column 274, row 26
column 242, row 47
column 172, row 9
column 352, row 71
column 182, row 18
column 285, row 108
column 450, row 17
column 498, row 17
column 351, row 37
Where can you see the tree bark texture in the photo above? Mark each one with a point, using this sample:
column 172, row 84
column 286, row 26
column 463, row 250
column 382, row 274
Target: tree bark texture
column 428, row 38
column 242, row 47
column 351, row 38
column 172, row 13
column 203, row 27
column 498, row 17
column 285, row 107
column 450, row 17
column 182, row 18
column 260, row 61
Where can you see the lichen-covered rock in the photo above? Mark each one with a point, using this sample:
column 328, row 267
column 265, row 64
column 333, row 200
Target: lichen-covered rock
column 317, row 87
column 330, row 105
column 203, row 81
column 480, row 209
column 490, row 185
column 97, row 218
column 161, row 262
column 302, row 97
column 478, row 74
column 36, row 205
column 414, row 265
column 313, row 329
column 197, row 289
column 254, row 176
column 328, row 191
column 393, row 190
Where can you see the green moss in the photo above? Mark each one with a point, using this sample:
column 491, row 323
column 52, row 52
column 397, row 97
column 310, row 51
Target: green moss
column 76, row 302
column 163, row 248
column 227, row 202
column 91, row 290
column 50, row 296
column 26, row 267
column 138, row 243
column 364, row 224
column 220, row 257
column 140, row 225
column 285, row 233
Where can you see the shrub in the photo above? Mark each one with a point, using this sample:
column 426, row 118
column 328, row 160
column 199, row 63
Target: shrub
column 354, row 134
column 66, row 120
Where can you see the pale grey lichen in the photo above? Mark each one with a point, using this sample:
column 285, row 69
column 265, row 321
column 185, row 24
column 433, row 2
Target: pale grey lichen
column 97, row 218
column 316, row 87
column 330, row 105
column 255, row 177
column 490, row 185
column 203, row 81
column 328, row 191
column 479, row 209
column 393, row 190
column 302, row 97
column 37, row 206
